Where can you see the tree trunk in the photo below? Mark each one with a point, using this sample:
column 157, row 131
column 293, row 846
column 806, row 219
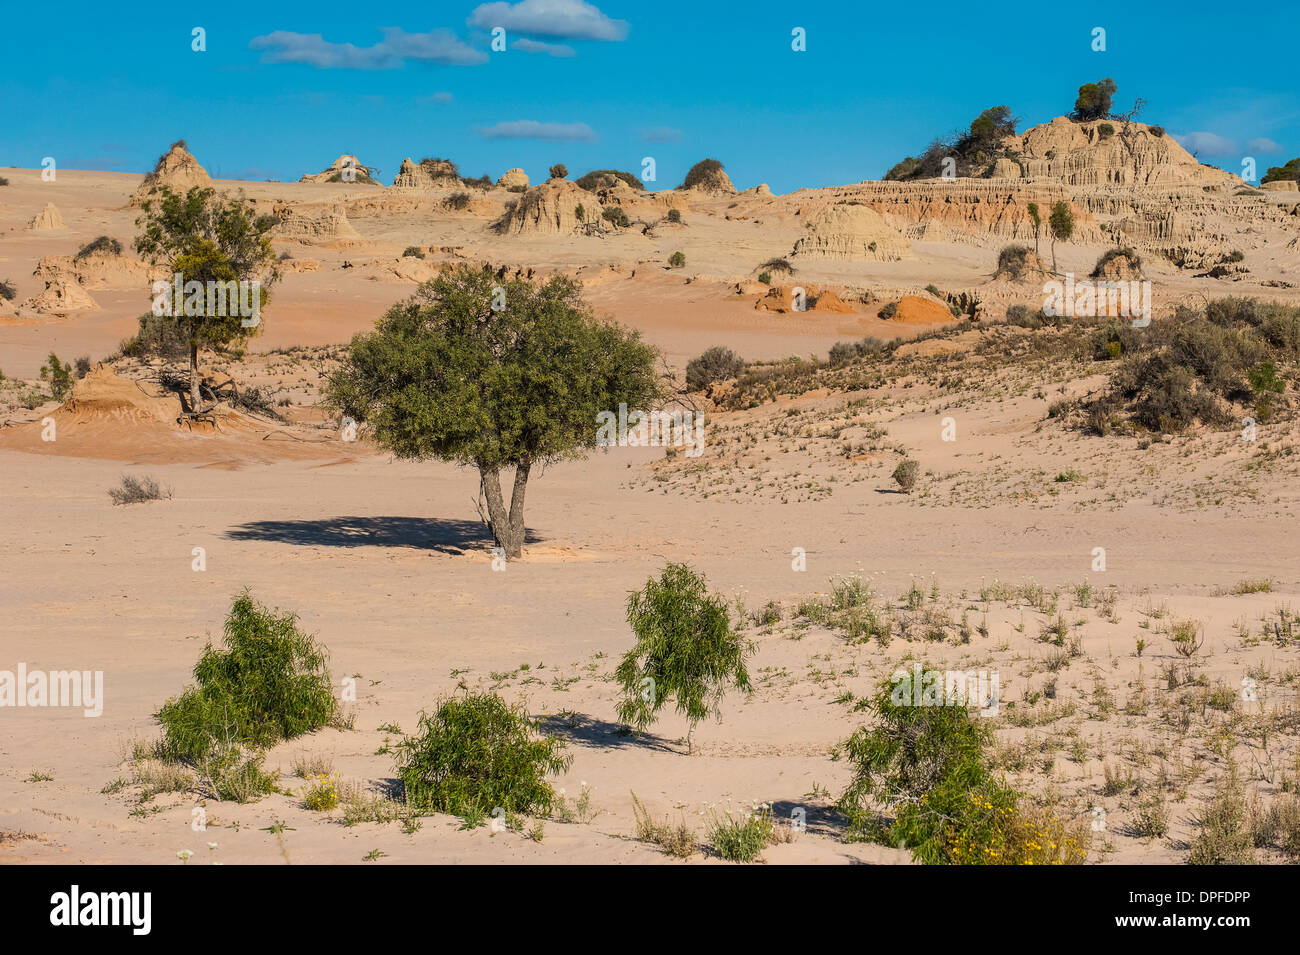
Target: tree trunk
column 194, row 376
column 1036, row 240
column 507, row 527
column 1054, row 255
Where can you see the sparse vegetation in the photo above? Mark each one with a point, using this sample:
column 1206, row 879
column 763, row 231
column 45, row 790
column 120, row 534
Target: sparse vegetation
column 137, row 490
column 718, row 363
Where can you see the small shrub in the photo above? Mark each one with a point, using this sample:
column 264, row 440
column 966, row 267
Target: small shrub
column 234, row 774
column 743, row 839
column 412, row 251
column 104, row 243
column 906, row 474
column 889, row 310
column 559, row 171
column 677, row 260
column 58, row 375
column 322, row 794
column 270, row 683
column 674, row 215
column 765, row 277
column 82, row 367
column 604, row 178
column 477, row 753
column 1105, row 130
column 685, row 649
column 615, row 215
column 702, row 172
column 1225, row 837
column 1133, row 263
column 1157, row 131
column 716, row 364
column 459, row 201
column 7, row 291
column 1013, row 262
column 778, row 265
column 675, row 839
column 135, row 490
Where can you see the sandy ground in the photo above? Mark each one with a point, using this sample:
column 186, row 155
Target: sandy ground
column 387, row 563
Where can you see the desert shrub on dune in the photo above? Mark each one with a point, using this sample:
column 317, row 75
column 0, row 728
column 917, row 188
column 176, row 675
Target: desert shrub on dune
column 269, row 683
column 906, row 474
column 674, row 215
column 716, row 364
column 1209, row 368
column 677, row 260
column 137, row 490
column 615, row 215
column 7, row 291
column 1122, row 261
column 106, row 244
column 1013, row 262
column 493, row 373
column 157, row 336
column 605, row 178
column 778, row 265
column 477, row 753
column 58, row 375
column 685, row 649
column 412, row 251
column 924, row 779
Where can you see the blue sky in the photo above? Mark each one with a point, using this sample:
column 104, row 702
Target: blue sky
column 106, row 86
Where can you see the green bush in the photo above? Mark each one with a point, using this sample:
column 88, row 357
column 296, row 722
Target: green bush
column 58, row 375
column 7, row 291
column 677, row 260
column 157, row 336
column 270, row 683
column 674, row 215
column 1289, row 171
column 559, row 171
column 716, row 364
column 923, row 779
column 477, row 753
column 1105, row 130
column 889, row 311
column 685, row 649
column 412, row 251
column 765, row 278
column 1013, row 262
column 616, row 216
column 743, row 838
column 1094, row 100
column 1225, row 837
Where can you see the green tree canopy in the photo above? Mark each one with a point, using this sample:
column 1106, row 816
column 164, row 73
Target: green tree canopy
column 1094, row 100
column 204, row 238
column 447, row 375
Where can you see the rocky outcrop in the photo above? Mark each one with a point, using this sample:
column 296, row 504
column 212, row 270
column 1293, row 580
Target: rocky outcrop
column 549, row 209
column 100, row 269
column 47, row 218
column 851, row 231
column 313, row 222
column 513, row 179
column 347, row 169
column 427, row 174
column 176, row 170
column 61, row 297
column 708, row 177
column 1111, row 152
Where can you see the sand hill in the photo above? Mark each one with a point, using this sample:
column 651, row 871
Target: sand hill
column 47, row 218
column 177, row 170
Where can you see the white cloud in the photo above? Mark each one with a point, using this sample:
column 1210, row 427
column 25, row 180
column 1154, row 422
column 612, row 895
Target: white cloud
column 532, row 129
column 1264, row 146
column 397, row 46
column 569, row 19
column 1207, row 144
column 438, row 99
column 537, row 46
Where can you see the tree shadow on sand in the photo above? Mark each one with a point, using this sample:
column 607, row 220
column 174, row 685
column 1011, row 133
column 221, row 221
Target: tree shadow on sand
column 582, row 730
column 422, row 533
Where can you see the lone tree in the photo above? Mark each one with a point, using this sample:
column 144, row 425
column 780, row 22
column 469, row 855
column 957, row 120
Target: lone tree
column 1037, row 219
column 559, row 171
column 493, row 373
column 1094, row 100
column 1061, row 226
column 200, row 237
column 685, row 649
